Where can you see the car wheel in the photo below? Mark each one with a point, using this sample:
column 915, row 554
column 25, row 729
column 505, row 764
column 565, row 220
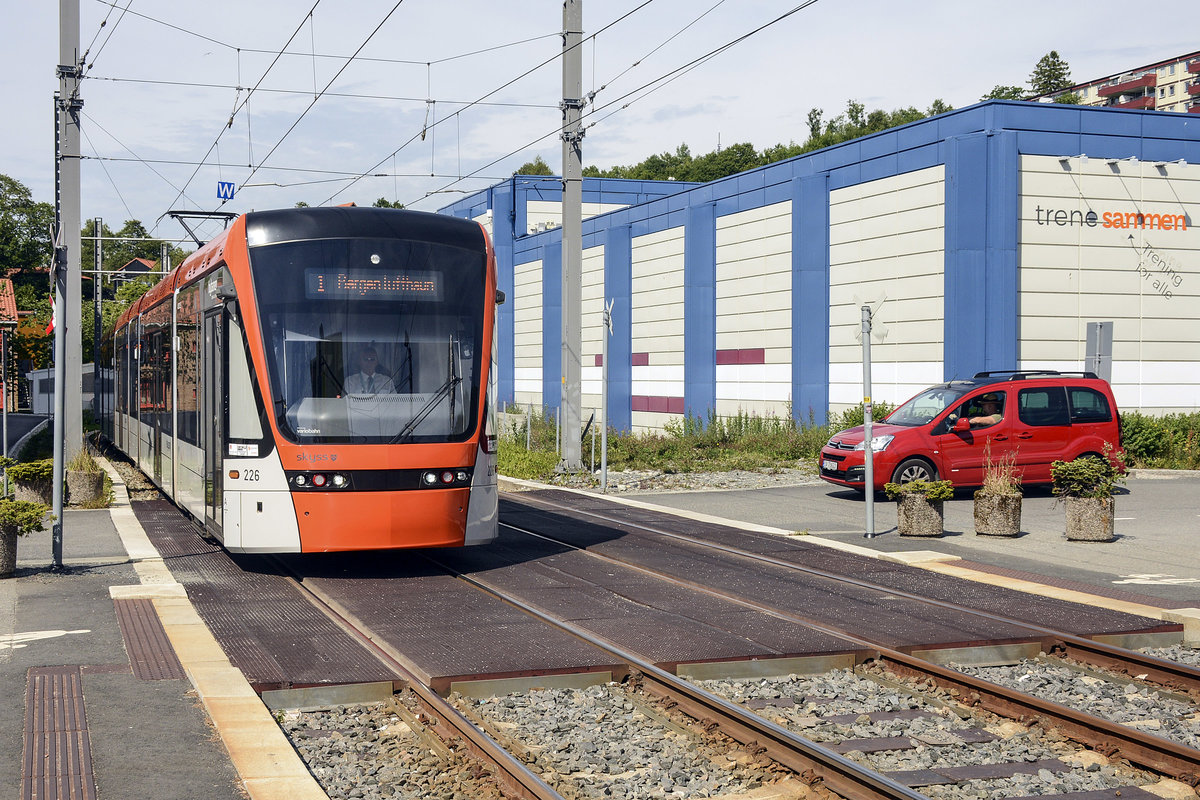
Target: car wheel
column 914, row 469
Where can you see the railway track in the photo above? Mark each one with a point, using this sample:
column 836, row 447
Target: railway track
column 823, row 766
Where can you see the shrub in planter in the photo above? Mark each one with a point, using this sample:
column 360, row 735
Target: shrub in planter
column 998, row 501
column 17, row 518
column 919, row 506
column 85, row 478
column 33, row 481
column 1087, row 486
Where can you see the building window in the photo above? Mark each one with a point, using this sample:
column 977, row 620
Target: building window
column 1172, row 92
column 1171, row 70
column 1162, row 91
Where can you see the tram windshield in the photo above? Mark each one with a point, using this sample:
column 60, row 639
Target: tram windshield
column 371, row 341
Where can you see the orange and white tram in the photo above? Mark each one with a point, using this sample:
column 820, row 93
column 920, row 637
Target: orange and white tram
column 319, row 379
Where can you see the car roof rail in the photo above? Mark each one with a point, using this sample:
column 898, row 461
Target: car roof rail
column 1017, row 375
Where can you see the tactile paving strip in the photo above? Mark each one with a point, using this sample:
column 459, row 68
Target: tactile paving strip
column 58, row 751
column 150, row 652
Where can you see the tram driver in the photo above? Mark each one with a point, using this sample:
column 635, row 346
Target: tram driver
column 368, row 380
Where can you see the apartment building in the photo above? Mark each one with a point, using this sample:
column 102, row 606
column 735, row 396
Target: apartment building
column 1171, row 85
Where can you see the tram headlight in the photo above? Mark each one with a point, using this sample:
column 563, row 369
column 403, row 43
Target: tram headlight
column 319, row 480
column 301, row 480
column 445, row 478
column 339, row 481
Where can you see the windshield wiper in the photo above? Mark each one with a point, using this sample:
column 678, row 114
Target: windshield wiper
column 445, row 390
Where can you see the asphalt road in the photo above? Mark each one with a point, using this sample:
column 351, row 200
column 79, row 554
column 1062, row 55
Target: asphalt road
column 1156, row 551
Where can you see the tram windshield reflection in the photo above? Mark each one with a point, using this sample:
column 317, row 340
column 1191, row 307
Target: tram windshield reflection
column 371, row 341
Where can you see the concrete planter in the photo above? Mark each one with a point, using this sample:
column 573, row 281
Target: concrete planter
column 33, row 492
column 84, row 487
column 8, row 553
column 1090, row 519
column 918, row 516
column 997, row 514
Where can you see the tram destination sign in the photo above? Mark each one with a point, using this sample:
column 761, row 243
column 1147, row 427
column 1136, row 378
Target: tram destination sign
column 372, row 284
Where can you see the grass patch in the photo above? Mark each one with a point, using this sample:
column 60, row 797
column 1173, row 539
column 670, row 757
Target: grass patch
column 690, row 444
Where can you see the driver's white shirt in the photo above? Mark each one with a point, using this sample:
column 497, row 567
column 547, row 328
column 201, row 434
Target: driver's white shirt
column 374, row 383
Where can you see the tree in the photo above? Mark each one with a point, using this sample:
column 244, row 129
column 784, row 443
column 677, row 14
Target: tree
column 999, row 92
column 536, row 167
column 24, row 228
column 681, row 166
column 1051, row 74
column 383, row 202
column 1069, row 99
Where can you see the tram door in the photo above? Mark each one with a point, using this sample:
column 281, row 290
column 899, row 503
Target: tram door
column 157, row 402
column 212, row 416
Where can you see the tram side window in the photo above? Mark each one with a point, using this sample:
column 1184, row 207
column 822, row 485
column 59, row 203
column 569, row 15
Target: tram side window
column 244, row 421
column 188, row 374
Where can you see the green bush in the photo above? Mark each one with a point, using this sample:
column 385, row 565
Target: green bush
column 932, row 490
column 857, row 415
column 22, row 517
column 33, row 471
column 1167, row 442
column 1085, row 477
column 516, row 462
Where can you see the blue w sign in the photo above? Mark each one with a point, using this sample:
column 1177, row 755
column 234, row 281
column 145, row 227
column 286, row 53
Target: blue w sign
column 225, row 190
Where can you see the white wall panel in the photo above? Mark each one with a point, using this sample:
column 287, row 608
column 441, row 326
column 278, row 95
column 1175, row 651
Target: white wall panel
column 592, row 298
column 753, row 308
column 657, row 284
column 527, row 333
column 887, row 240
column 1081, row 262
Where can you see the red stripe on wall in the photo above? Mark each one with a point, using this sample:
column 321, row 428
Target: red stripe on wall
column 641, row 359
column 656, row 404
column 599, row 359
column 753, row 355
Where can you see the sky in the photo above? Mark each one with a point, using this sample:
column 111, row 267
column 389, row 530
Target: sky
column 446, row 97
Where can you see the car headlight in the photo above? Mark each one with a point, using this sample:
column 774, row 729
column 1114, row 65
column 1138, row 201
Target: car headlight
column 878, row 443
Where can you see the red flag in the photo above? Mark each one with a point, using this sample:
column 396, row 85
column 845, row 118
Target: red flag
column 53, row 315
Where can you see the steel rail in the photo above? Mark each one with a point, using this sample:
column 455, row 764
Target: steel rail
column 1168, row 674
column 809, row 760
column 1149, row 751
column 511, row 773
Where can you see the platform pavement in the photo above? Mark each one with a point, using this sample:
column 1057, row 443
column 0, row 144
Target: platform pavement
column 208, row 736
column 1152, row 568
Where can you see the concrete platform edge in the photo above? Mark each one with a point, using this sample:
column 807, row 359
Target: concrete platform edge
column 924, row 559
column 266, row 762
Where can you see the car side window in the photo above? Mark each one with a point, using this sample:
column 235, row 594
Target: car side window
column 983, row 411
column 1088, row 405
column 1043, row 406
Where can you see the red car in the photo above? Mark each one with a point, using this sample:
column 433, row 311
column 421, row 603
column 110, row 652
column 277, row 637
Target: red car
column 940, row 434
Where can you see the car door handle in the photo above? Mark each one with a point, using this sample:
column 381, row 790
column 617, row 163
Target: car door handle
column 1001, row 438
column 1024, row 435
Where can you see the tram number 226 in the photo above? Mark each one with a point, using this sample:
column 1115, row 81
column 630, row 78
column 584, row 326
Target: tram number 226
column 250, row 475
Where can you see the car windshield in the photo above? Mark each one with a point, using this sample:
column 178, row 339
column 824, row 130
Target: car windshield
column 922, row 409
column 371, row 341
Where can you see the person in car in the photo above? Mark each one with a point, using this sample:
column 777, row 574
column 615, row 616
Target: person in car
column 989, row 414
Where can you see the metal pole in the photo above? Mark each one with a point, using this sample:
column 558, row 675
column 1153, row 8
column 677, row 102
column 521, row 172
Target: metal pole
column 572, row 235
column 68, row 423
column 868, row 460
column 608, row 307
column 529, row 426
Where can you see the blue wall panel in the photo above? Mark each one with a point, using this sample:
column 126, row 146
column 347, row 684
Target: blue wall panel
column 504, row 282
column 700, row 308
column 810, row 297
column 618, row 287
